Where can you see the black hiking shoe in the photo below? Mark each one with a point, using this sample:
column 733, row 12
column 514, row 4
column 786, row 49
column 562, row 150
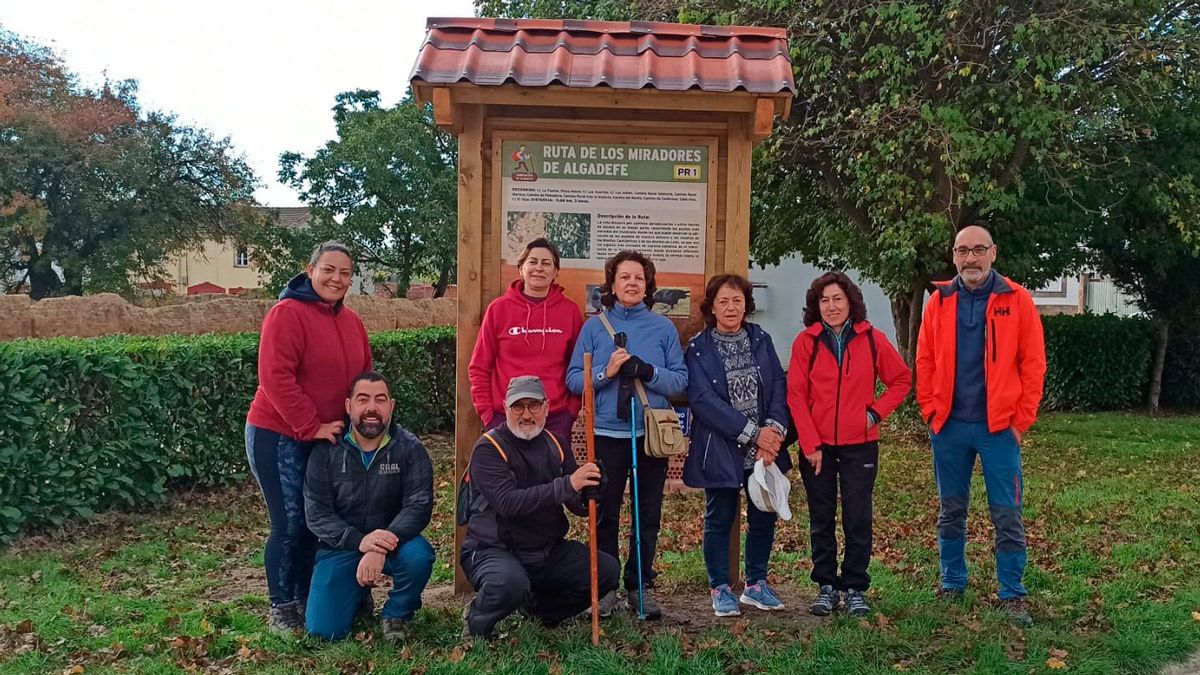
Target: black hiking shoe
column 826, row 601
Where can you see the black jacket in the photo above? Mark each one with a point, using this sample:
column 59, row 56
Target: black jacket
column 517, row 503
column 344, row 501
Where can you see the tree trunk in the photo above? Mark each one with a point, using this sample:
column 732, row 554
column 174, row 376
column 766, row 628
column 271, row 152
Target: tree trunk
column 443, row 281
column 1156, row 366
column 43, row 280
column 906, row 314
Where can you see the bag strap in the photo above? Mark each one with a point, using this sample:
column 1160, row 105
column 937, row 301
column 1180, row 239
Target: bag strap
column 874, row 357
column 466, row 477
column 637, row 384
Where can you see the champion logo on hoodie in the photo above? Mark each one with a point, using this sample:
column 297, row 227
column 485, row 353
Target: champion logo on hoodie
column 522, row 330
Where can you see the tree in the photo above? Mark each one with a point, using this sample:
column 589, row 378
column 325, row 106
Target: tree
column 387, row 187
column 94, row 194
column 914, row 118
column 1141, row 220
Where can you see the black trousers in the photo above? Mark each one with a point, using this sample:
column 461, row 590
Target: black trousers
column 856, row 466
column 652, row 476
column 554, row 584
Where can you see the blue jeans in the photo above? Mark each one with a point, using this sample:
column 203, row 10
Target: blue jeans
column 954, row 451
column 278, row 463
column 720, row 506
column 335, row 590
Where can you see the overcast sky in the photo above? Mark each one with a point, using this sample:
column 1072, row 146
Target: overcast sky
column 263, row 72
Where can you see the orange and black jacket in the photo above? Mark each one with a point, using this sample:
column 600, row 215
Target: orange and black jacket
column 829, row 401
column 1014, row 365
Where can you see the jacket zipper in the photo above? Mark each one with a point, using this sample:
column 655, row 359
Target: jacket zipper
column 704, row 460
column 837, row 405
column 993, row 340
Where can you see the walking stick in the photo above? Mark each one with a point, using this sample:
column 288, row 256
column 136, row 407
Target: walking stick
column 637, row 525
column 589, row 424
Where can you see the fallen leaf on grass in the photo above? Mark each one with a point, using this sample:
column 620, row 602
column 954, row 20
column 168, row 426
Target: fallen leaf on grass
column 456, row 655
column 73, row 670
column 1055, row 663
column 1195, row 616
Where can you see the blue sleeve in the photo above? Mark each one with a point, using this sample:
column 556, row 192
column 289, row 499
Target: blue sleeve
column 587, row 342
column 706, row 403
column 672, row 378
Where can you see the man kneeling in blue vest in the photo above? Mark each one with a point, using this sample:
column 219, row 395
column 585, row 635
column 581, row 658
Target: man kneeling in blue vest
column 367, row 498
column 516, row 554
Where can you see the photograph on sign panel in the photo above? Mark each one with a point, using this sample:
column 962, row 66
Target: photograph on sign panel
column 570, row 232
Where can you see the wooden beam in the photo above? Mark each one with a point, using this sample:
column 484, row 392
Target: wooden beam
column 764, row 118
column 737, row 195
column 605, row 97
column 470, row 306
column 443, row 109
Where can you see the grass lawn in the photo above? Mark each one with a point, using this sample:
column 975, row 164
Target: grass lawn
column 1114, row 576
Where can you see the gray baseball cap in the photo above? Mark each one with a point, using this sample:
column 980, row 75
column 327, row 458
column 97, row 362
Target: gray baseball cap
column 524, row 386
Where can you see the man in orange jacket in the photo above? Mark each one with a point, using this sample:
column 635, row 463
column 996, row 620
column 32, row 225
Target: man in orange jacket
column 981, row 362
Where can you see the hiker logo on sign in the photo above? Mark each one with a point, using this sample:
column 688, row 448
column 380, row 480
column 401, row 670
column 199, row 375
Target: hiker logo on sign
column 524, row 165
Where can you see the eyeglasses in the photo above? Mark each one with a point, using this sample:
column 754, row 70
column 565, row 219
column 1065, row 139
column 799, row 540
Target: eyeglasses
column 534, row 407
column 979, row 251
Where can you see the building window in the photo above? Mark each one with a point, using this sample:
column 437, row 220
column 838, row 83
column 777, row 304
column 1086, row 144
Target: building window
column 241, row 258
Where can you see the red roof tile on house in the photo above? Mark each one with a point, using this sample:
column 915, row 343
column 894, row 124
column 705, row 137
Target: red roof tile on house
column 634, row 55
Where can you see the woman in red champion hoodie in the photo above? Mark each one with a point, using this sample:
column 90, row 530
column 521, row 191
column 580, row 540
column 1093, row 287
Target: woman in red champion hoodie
column 312, row 347
column 530, row 330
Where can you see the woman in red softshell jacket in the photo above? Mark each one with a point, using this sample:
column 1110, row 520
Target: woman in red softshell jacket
column 835, row 363
column 530, row 330
column 311, row 349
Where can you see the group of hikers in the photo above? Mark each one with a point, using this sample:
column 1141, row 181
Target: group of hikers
column 349, row 491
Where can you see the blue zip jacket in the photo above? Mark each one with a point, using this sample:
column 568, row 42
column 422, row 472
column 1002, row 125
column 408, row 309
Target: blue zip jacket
column 653, row 339
column 715, row 457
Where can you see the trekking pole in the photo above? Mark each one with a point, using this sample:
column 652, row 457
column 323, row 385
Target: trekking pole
column 589, row 425
column 637, row 525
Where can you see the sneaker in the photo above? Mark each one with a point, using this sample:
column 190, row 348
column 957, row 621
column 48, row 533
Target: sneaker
column 856, row 603
column 607, row 605
column 948, row 596
column 395, row 630
column 723, row 602
column 649, row 606
column 761, row 596
column 285, row 619
column 1018, row 612
column 826, row 601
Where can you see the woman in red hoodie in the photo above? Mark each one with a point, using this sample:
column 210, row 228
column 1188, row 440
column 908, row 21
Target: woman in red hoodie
column 311, row 349
column 530, row 330
column 831, row 395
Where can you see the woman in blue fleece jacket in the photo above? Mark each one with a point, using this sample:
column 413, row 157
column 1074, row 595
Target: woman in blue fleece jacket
column 652, row 354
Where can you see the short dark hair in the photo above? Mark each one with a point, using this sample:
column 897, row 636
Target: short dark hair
column 367, row 376
column 540, row 242
column 607, row 297
column 812, row 306
column 715, row 285
column 328, row 247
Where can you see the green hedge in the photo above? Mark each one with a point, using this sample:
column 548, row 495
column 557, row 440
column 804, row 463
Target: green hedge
column 92, row 424
column 1181, row 372
column 1096, row 361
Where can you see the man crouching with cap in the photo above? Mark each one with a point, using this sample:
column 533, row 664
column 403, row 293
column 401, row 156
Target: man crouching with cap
column 516, row 554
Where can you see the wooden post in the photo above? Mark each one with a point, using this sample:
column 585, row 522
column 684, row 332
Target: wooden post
column 737, row 261
column 467, row 426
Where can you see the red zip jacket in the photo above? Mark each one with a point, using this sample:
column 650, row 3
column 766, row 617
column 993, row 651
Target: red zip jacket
column 308, row 354
column 1014, row 365
column 829, row 404
column 520, row 337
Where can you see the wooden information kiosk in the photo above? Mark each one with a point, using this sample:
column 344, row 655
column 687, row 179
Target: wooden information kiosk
column 600, row 136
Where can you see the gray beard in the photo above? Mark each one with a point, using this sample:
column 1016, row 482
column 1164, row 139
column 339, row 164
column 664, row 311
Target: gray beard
column 525, row 436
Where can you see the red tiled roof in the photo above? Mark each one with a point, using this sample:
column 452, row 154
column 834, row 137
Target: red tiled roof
column 635, row 55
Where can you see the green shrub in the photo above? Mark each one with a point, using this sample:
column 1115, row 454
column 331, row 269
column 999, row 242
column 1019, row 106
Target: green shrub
column 92, row 424
column 1096, row 362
